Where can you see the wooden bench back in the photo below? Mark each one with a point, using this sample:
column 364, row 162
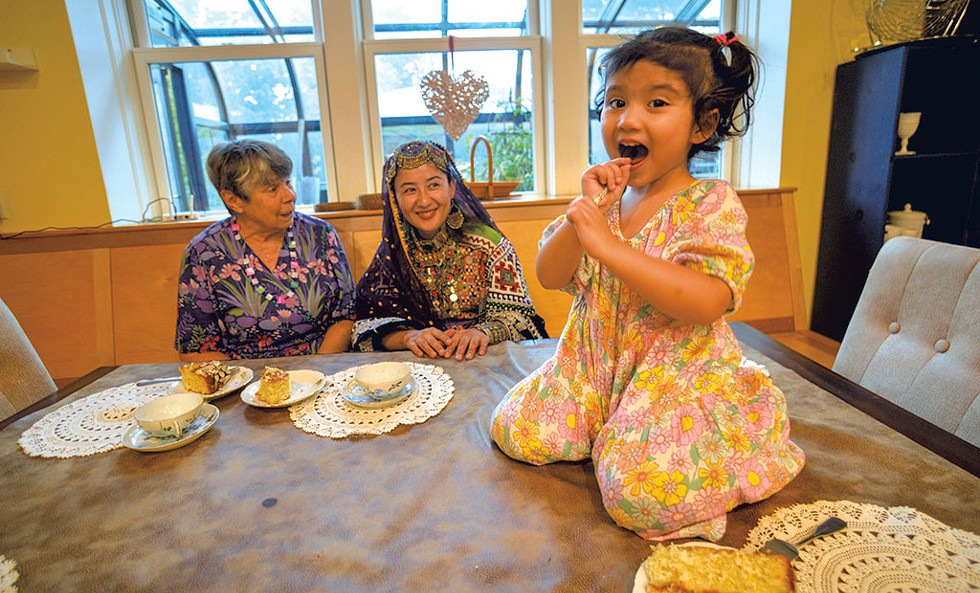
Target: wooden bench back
column 108, row 296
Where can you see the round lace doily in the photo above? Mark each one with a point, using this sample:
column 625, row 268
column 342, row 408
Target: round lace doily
column 93, row 424
column 328, row 414
column 8, row 575
column 893, row 550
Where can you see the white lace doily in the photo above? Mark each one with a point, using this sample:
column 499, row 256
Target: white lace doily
column 882, row 550
column 8, row 575
column 330, row 415
column 93, row 424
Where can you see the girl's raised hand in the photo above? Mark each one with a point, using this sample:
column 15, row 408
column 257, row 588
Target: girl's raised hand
column 611, row 175
column 587, row 214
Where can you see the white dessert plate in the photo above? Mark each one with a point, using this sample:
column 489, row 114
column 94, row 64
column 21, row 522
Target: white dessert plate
column 640, row 581
column 240, row 376
column 356, row 396
column 302, row 384
column 138, row 439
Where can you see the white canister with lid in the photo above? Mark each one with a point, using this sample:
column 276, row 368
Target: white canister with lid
column 909, row 222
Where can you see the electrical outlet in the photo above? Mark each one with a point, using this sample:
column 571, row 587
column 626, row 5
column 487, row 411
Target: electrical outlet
column 186, row 216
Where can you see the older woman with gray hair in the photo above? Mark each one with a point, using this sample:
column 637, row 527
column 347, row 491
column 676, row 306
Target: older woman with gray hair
column 267, row 281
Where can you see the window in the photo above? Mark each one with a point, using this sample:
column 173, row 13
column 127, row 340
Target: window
column 220, row 71
column 336, row 84
column 229, row 71
column 494, row 42
column 628, row 17
column 601, row 18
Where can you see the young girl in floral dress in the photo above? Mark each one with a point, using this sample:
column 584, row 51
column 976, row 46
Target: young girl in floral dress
column 648, row 379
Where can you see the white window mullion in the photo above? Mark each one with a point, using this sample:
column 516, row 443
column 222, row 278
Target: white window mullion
column 566, row 95
column 345, row 88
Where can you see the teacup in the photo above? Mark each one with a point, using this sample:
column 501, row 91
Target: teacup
column 383, row 380
column 170, row 415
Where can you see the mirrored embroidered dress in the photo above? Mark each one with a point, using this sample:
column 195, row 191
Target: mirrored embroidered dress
column 681, row 428
column 229, row 302
column 468, row 276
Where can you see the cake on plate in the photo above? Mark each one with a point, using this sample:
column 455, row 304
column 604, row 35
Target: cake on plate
column 204, row 377
column 700, row 569
column 274, row 386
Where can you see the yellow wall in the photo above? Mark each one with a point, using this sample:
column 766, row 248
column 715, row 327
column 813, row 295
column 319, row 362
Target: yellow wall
column 49, row 167
column 822, row 35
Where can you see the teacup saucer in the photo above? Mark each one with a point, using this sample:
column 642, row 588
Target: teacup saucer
column 140, row 440
column 356, row 395
column 302, row 384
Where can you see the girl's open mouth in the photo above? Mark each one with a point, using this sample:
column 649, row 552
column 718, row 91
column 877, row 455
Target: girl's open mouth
column 633, row 152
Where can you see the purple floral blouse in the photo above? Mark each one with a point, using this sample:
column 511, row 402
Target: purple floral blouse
column 220, row 309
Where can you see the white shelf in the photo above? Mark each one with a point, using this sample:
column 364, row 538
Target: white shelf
column 17, row 59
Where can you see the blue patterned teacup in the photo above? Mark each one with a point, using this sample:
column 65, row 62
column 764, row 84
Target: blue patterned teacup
column 170, row 415
column 383, row 380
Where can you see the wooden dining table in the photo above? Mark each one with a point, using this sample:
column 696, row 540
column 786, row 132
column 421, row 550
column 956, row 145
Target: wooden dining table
column 256, row 504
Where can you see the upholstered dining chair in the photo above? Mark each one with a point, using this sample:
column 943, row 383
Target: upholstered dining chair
column 914, row 338
column 23, row 378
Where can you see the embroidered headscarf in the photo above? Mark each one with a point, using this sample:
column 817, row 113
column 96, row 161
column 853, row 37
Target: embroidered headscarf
column 390, row 287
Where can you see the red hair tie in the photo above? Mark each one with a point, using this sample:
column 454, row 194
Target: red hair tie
column 726, row 39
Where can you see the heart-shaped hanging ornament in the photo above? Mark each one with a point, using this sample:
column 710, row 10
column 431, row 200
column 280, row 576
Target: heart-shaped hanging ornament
column 454, row 101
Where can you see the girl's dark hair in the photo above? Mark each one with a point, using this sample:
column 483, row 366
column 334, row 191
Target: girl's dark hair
column 719, row 72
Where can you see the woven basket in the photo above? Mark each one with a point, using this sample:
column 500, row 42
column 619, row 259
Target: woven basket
column 369, row 202
column 488, row 190
column 333, row 206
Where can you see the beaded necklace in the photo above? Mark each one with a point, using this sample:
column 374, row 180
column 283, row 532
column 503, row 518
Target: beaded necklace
column 250, row 271
column 437, row 261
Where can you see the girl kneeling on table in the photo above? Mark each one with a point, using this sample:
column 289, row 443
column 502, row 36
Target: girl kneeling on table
column 648, row 379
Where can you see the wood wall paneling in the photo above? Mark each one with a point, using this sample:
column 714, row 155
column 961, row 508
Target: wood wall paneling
column 62, row 301
column 769, row 300
column 360, row 250
column 108, row 296
column 551, row 305
column 144, row 302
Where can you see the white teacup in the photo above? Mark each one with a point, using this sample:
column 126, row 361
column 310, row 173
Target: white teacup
column 383, row 380
column 170, row 415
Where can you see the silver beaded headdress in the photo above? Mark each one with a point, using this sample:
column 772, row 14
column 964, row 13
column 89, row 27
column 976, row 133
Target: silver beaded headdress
column 413, row 155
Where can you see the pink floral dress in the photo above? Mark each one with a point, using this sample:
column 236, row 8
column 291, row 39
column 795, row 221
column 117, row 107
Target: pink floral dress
column 680, row 427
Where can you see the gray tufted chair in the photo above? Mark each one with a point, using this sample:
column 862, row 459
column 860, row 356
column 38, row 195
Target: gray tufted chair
column 23, row 378
column 914, row 338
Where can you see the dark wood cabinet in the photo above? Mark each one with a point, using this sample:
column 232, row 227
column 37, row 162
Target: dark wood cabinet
column 866, row 179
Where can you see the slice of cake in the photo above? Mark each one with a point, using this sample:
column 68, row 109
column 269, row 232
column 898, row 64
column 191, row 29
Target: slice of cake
column 698, row 569
column 273, row 386
column 204, row 377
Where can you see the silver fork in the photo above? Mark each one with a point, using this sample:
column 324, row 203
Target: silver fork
column 599, row 196
column 152, row 381
column 791, row 551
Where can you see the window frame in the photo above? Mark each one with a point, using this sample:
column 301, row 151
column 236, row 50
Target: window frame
column 373, row 48
column 124, row 121
column 532, row 42
column 143, row 58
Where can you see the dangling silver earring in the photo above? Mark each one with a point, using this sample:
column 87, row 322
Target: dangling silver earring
column 455, row 218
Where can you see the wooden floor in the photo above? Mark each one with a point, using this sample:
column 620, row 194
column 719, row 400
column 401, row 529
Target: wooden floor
column 814, row 346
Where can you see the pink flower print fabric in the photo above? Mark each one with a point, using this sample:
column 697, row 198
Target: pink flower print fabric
column 680, row 429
